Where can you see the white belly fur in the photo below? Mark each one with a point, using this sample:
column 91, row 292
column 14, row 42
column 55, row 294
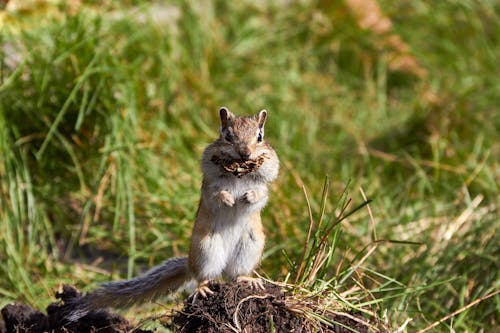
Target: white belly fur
column 233, row 250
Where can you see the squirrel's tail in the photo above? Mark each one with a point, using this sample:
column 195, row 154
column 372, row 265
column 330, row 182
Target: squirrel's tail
column 160, row 280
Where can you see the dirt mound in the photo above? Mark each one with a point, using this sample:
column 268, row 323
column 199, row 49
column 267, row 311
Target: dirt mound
column 234, row 307
column 237, row 307
column 21, row 318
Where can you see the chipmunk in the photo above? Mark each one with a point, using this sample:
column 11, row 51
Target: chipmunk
column 227, row 237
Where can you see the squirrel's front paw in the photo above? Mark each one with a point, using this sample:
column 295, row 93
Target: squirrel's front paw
column 226, row 198
column 250, row 196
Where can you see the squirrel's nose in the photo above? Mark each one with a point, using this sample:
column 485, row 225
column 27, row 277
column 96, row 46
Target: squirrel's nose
column 245, row 153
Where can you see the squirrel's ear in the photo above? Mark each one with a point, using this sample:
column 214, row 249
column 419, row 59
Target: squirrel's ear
column 261, row 118
column 225, row 117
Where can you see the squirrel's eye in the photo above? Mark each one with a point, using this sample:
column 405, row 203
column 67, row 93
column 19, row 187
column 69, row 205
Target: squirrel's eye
column 228, row 137
column 260, row 137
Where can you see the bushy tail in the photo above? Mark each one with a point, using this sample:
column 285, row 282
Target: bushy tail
column 160, row 280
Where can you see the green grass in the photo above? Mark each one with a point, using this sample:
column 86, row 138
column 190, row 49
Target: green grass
column 103, row 118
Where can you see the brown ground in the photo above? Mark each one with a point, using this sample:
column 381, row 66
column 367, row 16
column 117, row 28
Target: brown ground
column 20, row 318
column 234, row 307
column 239, row 308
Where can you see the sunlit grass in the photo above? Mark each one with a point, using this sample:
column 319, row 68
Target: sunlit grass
column 104, row 115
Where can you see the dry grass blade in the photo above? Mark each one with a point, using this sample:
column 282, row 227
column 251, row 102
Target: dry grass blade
column 370, row 213
column 301, row 263
column 462, row 309
column 238, row 307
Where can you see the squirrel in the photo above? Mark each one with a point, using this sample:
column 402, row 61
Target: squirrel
column 227, row 237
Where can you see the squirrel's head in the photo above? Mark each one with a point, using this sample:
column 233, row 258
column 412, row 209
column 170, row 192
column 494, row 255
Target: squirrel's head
column 243, row 137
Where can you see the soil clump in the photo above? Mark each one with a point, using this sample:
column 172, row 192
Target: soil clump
column 21, row 318
column 237, row 307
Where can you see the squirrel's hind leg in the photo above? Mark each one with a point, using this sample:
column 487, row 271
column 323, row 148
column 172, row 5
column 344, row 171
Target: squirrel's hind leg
column 248, row 252
column 207, row 257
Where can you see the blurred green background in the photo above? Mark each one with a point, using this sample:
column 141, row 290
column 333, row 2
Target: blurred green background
column 105, row 108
